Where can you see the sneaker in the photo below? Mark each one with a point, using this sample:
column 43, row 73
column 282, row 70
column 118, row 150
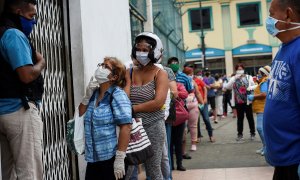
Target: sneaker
column 223, row 117
column 216, row 121
column 262, row 153
column 193, row 147
column 239, row 138
column 252, row 137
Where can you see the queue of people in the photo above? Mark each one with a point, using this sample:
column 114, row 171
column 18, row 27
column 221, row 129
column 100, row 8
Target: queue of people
column 147, row 92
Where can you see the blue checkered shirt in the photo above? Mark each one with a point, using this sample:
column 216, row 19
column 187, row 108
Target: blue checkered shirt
column 100, row 124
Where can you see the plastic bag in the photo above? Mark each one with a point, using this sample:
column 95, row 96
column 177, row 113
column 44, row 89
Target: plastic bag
column 75, row 133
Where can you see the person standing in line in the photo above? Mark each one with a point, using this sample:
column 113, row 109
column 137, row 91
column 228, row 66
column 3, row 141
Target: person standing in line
column 242, row 85
column 211, row 94
column 204, row 110
column 281, row 123
column 182, row 78
column 147, row 88
column 219, row 96
column 259, row 100
column 192, row 102
column 21, row 91
column 106, row 106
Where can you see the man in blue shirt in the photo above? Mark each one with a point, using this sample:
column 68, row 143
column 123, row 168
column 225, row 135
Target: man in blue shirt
column 282, row 110
column 21, row 89
column 211, row 94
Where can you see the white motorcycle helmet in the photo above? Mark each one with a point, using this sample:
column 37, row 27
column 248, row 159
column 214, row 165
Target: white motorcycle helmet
column 157, row 48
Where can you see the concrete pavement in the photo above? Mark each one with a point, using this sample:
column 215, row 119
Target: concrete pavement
column 226, row 159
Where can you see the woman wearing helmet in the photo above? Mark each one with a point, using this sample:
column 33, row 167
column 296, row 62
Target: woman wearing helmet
column 147, row 90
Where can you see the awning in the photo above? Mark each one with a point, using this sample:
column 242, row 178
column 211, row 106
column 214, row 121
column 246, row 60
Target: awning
column 209, row 52
column 250, row 49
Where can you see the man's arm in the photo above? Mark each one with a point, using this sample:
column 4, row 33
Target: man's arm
column 30, row 73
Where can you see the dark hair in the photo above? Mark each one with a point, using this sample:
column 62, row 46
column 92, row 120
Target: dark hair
column 207, row 73
column 294, row 4
column 11, row 5
column 239, row 65
column 171, row 59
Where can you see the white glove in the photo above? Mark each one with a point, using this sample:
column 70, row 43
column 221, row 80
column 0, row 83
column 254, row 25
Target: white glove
column 119, row 165
column 93, row 84
column 250, row 88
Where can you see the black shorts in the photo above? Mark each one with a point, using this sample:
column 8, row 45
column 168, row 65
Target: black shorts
column 212, row 102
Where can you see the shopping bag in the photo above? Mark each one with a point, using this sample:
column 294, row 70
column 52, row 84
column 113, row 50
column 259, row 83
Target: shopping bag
column 75, row 134
column 182, row 113
column 139, row 148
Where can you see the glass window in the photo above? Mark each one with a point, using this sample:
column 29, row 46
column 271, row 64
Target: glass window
column 136, row 26
column 195, row 19
column 249, row 14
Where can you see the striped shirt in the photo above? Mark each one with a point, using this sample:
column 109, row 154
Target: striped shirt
column 100, row 123
column 185, row 80
column 142, row 94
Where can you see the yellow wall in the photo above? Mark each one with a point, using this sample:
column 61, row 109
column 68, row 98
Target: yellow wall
column 240, row 35
column 213, row 38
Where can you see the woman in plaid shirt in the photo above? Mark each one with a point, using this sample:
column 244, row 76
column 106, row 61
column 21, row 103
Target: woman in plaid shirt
column 106, row 108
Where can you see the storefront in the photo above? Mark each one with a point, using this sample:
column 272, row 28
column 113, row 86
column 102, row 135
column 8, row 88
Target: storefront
column 253, row 56
column 215, row 60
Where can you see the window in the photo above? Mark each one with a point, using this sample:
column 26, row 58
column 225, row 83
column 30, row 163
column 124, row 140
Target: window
column 249, row 14
column 136, row 26
column 195, row 19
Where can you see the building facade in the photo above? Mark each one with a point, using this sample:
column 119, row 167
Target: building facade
column 234, row 32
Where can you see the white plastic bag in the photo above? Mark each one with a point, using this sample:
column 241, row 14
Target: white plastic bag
column 79, row 136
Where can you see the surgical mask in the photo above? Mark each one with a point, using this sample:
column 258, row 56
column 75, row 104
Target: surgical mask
column 101, row 75
column 271, row 26
column 142, row 58
column 27, row 25
column 174, row 67
column 240, row 72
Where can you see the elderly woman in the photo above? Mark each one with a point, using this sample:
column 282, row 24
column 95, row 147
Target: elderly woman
column 148, row 89
column 106, row 108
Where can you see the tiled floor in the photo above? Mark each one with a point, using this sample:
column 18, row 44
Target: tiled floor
column 252, row 173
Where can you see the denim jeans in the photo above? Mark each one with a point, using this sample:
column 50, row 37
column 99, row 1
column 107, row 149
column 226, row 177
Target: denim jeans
column 259, row 128
column 204, row 113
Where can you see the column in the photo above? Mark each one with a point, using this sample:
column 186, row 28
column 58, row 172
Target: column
column 148, row 25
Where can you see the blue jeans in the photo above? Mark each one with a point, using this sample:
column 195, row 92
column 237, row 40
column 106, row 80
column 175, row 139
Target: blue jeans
column 204, row 113
column 259, row 127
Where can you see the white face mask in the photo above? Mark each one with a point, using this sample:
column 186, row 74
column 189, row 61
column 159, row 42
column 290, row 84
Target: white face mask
column 142, row 58
column 101, row 75
column 240, row 72
column 271, row 26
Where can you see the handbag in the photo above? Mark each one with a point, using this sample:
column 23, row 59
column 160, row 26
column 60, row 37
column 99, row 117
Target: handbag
column 75, row 134
column 182, row 113
column 191, row 102
column 139, row 148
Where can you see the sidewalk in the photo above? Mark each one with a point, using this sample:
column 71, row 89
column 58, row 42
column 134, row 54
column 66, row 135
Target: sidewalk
column 250, row 173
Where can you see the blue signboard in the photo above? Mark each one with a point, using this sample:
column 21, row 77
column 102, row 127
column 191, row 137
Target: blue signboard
column 251, row 49
column 209, row 52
